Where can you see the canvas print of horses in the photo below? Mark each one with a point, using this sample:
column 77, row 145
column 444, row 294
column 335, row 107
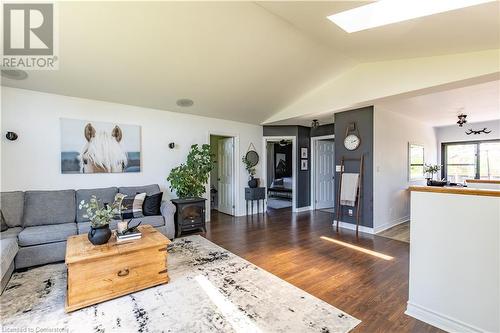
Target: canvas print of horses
column 99, row 147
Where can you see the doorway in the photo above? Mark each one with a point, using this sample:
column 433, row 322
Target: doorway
column 323, row 173
column 280, row 173
column 222, row 177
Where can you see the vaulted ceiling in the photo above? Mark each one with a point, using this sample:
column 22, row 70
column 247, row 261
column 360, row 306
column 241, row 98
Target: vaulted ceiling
column 242, row 61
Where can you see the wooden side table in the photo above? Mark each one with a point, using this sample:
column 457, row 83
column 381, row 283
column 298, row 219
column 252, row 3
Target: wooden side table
column 252, row 194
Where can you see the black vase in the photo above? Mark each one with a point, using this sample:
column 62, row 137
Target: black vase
column 253, row 182
column 100, row 235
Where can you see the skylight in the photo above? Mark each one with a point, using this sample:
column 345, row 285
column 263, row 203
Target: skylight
column 384, row 12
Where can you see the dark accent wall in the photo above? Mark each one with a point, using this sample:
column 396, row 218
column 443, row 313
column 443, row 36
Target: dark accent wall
column 363, row 118
column 303, row 176
column 303, row 137
column 327, row 129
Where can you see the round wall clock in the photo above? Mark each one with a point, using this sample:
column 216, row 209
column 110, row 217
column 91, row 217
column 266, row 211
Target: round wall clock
column 351, row 142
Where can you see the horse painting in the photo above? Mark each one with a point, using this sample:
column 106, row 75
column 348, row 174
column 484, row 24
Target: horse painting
column 89, row 147
column 102, row 152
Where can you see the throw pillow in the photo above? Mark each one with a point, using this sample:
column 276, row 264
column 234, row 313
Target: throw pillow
column 152, row 204
column 133, row 206
column 2, row 222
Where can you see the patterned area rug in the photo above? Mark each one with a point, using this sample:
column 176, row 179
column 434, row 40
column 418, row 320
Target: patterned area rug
column 210, row 290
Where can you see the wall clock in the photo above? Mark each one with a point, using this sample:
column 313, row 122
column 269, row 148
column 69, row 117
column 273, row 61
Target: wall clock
column 352, row 140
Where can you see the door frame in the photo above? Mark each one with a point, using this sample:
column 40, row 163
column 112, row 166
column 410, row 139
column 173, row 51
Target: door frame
column 266, row 139
column 313, row 166
column 236, row 173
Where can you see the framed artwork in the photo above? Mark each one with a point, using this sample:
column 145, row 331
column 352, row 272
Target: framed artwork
column 99, row 147
column 303, row 164
column 303, row 152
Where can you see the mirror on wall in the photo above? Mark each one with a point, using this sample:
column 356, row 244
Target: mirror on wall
column 415, row 161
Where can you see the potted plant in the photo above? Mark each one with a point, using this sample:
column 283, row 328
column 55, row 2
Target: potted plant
column 100, row 215
column 188, row 180
column 250, row 167
column 430, row 170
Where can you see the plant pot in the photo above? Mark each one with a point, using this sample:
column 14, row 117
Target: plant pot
column 100, row 235
column 253, row 182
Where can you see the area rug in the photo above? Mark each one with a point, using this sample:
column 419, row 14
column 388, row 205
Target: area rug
column 210, row 290
column 276, row 203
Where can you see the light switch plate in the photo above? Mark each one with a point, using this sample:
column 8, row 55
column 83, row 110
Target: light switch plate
column 350, row 212
column 337, row 168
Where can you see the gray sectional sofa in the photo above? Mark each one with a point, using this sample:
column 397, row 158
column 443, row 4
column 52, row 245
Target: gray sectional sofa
column 40, row 222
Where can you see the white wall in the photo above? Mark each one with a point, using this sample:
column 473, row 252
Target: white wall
column 454, row 133
column 33, row 161
column 392, row 133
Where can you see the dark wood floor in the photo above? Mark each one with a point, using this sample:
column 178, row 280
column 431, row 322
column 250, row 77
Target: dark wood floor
column 289, row 246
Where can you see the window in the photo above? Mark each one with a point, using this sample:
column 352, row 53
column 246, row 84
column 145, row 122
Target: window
column 471, row 160
column 415, row 161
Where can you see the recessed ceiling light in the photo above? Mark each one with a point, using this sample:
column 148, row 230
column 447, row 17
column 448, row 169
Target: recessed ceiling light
column 14, row 74
column 185, row 102
column 385, row 12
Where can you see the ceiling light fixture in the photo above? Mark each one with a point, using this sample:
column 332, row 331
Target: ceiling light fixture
column 315, row 123
column 461, row 119
column 185, row 102
column 14, row 74
column 384, row 12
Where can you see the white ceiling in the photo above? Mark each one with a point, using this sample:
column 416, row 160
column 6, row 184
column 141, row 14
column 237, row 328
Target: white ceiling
column 479, row 102
column 465, row 30
column 242, row 61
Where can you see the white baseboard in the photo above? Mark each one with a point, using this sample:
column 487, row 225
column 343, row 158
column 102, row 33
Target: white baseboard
column 439, row 320
column 351, row 226
column 302, row 209
column 391, row 224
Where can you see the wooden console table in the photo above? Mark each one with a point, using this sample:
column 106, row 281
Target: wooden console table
column 257, row 193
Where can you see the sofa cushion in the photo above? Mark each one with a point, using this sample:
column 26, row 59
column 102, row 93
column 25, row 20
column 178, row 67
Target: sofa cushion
column 133, row 190
column 9, row 248
column 10, row 233
column 44, row 234
column 3, row 224
column 106, row 195
column 49, row 207
column 12, row 204
column 155, row 221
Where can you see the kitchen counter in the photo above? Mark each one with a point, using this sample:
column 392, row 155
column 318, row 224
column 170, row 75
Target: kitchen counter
column 455, row 258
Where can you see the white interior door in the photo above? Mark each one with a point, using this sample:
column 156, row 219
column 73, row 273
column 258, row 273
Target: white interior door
column 324, row 174
column 225, row 179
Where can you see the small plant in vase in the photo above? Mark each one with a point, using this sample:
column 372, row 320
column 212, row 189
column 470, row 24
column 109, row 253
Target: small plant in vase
column 430, row 170
column 252, row 182
column 100, row 215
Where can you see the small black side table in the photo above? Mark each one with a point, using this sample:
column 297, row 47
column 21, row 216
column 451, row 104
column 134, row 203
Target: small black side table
column 257, row 193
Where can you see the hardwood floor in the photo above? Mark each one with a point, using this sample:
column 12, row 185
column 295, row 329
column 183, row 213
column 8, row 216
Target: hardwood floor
column 288, row 245
column 399, row 232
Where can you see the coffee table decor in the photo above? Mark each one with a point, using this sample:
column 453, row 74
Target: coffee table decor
column 211, row 290
column 100, row 215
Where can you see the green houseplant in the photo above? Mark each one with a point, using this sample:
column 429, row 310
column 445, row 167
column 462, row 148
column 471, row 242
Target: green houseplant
column 100, row 215
column 188, row 179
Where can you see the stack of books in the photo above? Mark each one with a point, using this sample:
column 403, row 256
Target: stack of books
column 128, row 235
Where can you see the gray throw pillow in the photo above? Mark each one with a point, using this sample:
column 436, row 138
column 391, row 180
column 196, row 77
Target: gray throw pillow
column 133, row 206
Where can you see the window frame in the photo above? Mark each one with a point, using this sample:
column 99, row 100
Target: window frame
column 410, row 144
column 477, row 143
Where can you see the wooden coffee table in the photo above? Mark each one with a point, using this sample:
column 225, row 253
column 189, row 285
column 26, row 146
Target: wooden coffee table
column 99, row 273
